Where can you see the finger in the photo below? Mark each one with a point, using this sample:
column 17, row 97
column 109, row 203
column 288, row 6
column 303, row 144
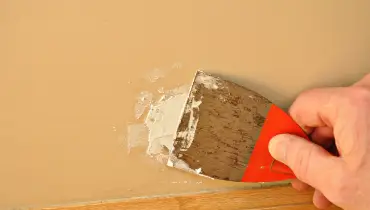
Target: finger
column 323, row 136
column 317, row 107
column 310, row 162
column 320, row 201
column 299, row 185
column 344, row 109
column 364, row 82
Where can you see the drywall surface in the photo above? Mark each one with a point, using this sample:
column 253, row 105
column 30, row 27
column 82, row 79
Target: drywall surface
column 72, row 72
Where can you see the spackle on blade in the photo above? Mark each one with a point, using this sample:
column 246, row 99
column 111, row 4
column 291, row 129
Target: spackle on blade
column 198, row 171
column 189, row 133
column 207, row 80
column 191, row 109
column 187, row 124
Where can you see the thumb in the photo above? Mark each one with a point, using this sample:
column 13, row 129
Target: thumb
column 310, row 162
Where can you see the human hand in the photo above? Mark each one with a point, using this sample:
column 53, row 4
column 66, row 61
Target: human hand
column 343, row 114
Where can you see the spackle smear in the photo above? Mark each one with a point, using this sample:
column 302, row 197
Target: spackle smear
column 160, row 90
column 137, row 135
column 143, row 101
column 161, row 122
column 177, row 65
column 155, row 75
column 178, row 90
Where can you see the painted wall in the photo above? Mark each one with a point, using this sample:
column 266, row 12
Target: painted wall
column 70, row 72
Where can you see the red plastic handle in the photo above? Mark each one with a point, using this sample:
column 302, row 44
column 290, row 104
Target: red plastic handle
column 261, row 166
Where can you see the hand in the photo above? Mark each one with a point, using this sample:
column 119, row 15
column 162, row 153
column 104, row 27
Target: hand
column 343, row 114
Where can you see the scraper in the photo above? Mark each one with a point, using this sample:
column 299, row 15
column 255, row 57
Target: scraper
column 224, row 132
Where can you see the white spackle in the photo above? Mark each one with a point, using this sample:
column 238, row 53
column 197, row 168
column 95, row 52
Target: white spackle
column 189, row 133
column 161, row 122
column 179, row 164
column 155, row 75
column 198, row 171
column 137, row 135
column 179, row 90
column 222, row 98
column 174, row 162
column 143, row 101
column 208, row 81
column 191, row 106
column 160, row 90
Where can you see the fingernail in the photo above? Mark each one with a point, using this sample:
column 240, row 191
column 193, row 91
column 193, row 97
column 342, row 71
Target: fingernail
column 277, row 147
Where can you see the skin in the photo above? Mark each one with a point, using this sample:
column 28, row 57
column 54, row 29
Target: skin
column 343, row 114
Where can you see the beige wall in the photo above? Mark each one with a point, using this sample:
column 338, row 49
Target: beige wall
column 70, row 71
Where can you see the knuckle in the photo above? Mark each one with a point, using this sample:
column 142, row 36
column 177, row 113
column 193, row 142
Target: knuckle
column 365, row 81
column 359, row 96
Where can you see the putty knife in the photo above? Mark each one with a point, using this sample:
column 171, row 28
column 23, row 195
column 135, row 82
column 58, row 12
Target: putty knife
column 224, row 133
